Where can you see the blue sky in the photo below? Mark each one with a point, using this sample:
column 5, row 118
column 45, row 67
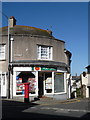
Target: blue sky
column 67, row 20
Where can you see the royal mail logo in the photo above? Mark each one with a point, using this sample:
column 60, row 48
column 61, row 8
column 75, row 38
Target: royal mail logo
column 37, row 68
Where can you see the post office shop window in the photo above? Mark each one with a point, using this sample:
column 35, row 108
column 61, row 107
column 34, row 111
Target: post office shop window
column 23, row 77
column 48, row 82
column 58, row 82
column 2, row 51
column 44, row 52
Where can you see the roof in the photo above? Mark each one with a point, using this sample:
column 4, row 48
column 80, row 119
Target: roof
column 28, row 30
column 19, row 29
column 88, row 66
column 76, row 77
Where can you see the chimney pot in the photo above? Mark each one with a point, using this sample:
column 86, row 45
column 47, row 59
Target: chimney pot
column 12, row 21
column 50, row 32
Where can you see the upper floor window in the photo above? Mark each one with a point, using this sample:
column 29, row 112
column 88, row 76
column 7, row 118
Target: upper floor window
column 44, row 52
column 2, row 52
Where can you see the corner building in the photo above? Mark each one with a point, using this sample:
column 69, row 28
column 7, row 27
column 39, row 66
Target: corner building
column 35, row 57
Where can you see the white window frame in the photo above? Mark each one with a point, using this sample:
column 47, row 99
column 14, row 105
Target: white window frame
column 65, row 91
column 45, row 93
column 17, row 69
column 65, row 85
column 2, row 51
column 49, row 52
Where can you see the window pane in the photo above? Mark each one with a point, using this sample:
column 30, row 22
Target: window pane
column 39, row 52
column 2, row 52
column 44, row 52
column 21, row 78
column 3, row 78
column 2, row 56
column 48, row 82
column 59, row 82
column 2, row 48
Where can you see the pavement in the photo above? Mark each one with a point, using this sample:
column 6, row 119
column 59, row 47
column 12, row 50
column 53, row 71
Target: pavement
column 44, row 108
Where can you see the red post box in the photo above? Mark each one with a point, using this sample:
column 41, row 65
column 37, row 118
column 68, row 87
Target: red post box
column 26, row 92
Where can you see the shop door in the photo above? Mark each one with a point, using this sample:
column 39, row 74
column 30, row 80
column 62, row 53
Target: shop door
column 3, row 85
column 40, row 85
column 89, row 91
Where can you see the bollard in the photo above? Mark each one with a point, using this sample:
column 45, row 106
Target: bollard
column 26, row 93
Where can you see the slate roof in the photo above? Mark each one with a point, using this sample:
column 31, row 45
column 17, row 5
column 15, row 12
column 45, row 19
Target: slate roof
column 77, row 78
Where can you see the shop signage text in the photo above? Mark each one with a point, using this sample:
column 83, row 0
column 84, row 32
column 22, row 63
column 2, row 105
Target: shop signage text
column 43, row 68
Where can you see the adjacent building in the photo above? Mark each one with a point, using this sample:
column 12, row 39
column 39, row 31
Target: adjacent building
column 86, row 83
column 33, row 55
column 75, row 86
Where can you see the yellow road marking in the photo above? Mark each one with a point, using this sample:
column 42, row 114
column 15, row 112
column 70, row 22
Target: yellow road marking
column 67, row 102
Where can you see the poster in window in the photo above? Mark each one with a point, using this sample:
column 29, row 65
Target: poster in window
column 48, row 83
column 48, row 80
column 48, row 86
column 32, row 85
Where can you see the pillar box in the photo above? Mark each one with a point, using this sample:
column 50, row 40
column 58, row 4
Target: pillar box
column 26, row 92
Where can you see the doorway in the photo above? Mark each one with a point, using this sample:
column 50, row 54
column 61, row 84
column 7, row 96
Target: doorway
column 89, row 91
column 3, row 84
column 44, row 83
column 40, row 84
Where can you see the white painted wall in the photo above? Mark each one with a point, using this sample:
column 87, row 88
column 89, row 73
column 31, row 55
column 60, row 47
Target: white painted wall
column 86, row 81
column 68, row 85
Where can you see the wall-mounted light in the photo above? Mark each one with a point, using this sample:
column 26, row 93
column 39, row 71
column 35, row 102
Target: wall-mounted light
column 12, row 39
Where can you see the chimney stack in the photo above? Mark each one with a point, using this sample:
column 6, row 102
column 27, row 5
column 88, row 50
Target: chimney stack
column 12, row 21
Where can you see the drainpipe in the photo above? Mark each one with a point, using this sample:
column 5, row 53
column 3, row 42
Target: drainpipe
column 11, row 24
column 11, row 75
column 8, row 83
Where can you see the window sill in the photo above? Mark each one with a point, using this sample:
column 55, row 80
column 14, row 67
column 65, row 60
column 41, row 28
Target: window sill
column 3, row 60
column 46, row 59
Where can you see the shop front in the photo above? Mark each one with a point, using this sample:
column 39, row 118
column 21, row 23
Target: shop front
column 44, row 81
